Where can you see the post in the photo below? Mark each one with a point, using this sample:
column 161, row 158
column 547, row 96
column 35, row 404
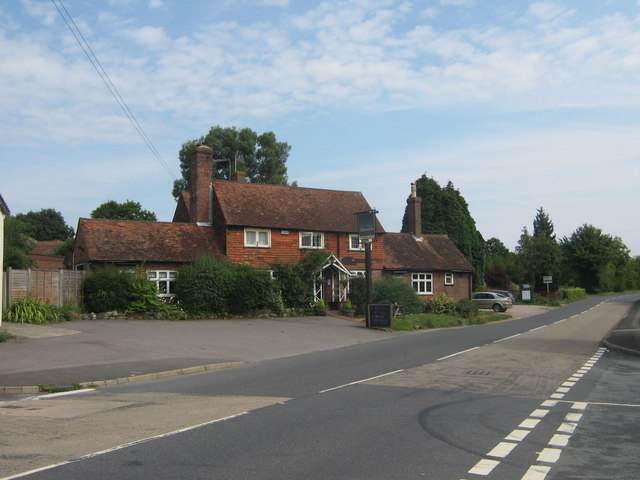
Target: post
column 369, row 279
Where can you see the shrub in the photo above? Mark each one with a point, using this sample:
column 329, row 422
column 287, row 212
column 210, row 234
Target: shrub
column 107, row 290
column 358, row 294
column 32, row 310
column 143, row 296
column 441, row 304
column 202, row 287
column 466, row 308
column 295, row 282
column 397, row 291
column 251, row 289
column 573, row 294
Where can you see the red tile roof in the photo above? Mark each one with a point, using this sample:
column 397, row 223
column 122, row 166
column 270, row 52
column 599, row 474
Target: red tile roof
column 403, row 251
column 295, row 208
column 129, row 241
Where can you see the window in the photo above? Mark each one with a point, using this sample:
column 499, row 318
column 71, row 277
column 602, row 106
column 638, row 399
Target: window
column 257, row 238
column 448, row 278
column 355, row 243
column 422, row 283
column 357, row 273
column 165, row 281
column 311, row 240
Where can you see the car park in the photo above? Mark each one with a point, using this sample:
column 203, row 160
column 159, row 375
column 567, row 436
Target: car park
column 492, row 300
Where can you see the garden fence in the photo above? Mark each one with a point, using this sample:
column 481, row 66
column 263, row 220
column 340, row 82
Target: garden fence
column 54, row 287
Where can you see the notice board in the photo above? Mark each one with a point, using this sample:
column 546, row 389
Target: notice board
column 380, row 315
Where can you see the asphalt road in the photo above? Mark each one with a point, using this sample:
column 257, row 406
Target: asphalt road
column 526, row 399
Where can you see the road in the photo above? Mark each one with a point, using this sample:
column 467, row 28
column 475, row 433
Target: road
column 527, row 399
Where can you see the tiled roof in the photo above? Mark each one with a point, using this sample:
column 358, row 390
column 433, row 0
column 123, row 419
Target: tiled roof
column 120, row 240
column 3, row 206
column 46, row 247
column 403, row 251
column 295, row 208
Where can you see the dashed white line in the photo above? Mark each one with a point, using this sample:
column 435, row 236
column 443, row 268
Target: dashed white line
column 507, row 338
column 559, row 440
column 361, row 381
column 457, row 353
column 502, row 449
column 484, row 467
column 549, row 455
column 517, row 435
column 536, row 472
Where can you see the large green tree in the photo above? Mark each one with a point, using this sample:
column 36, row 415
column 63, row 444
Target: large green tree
column 47, row 224
column 590, row 255
column 129, row 210
column 262, row 157
column 17, row 244
column 539, row 254
column 445, row 211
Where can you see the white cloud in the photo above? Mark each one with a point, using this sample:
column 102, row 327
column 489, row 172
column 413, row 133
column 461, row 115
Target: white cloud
column 156, row 4
column 149, row 37
column 45, row 11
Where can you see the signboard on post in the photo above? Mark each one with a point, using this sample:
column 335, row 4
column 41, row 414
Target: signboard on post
column 366, row 225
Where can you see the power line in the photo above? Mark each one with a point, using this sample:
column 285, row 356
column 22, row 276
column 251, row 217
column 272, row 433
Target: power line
column 86, row 48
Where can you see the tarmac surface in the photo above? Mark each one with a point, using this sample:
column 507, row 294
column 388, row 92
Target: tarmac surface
column 103, row 352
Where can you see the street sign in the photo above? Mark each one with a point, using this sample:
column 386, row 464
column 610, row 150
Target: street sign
column 547, row 279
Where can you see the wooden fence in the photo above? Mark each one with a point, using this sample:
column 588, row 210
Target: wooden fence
column 56, row 287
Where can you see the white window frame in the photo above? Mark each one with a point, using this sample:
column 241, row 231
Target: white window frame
column 354, row 238
column 422, row 283
column 449, row 278
column 316, row 240
column 257, row 243
column 358, row 273
column 164, row 279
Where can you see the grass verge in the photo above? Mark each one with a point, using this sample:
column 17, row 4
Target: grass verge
column 432, row 320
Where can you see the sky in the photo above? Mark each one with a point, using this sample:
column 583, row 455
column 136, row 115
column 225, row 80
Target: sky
column 520, row 104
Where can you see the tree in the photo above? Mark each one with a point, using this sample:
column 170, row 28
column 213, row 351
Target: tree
column 261, row 157
column 542, row 224
column 590, row 256
column 447, row 213
column 539, row 254
column 47, row 224
column 129, row 210
column 17, row 244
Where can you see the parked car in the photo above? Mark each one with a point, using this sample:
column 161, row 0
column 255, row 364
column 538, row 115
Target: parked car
column 492, row 300
column 506, row 293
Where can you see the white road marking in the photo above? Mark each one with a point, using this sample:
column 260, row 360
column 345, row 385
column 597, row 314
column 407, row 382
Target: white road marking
column 559, row 440
column 567, row 427
column 502, row 449
column 457, row 353
column 484, row 467
column 536, row 472
column 507, row 338
column 539, row 413
column 123, row 446
column 517, row 435
column 529, row 423
column 549, row 455
column 361, row 381
column 538, row 328
column 573, row 417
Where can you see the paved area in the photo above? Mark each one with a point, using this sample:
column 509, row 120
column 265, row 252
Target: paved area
column 100, row 352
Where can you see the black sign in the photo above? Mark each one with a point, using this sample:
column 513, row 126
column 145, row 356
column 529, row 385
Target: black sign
column 380, row 315
column 367, row 225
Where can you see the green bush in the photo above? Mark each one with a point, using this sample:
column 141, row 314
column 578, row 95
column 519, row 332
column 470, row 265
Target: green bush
column 143, row 296
column 294, row 282
column 441, row 304
column 397, row 291
column 573, row 294
column 210, row 287
column 107, row 290
column 32, row 310
column 358, row 294
column 466, row 309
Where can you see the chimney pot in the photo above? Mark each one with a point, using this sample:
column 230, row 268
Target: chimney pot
column 414, row 212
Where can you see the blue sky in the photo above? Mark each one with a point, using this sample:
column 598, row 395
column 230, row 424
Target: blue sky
column 520, row 104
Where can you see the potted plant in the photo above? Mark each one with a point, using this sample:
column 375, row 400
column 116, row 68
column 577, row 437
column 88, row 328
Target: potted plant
column 321, row 307
column 347, row 308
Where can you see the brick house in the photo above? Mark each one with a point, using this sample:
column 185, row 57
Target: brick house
column 258, row 225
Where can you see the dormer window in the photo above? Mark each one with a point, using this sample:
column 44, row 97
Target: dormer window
column 311, row 240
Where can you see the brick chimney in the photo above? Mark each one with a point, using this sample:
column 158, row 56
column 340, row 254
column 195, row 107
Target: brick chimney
column 240, row 177
column 414, row 212
column 201, row 171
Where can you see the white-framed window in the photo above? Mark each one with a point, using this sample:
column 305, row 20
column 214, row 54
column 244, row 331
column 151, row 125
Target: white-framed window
column 311, row 240
column 256, row 237
column 165, row 281
column 358, row 273
column 354, row 242
column 448, row 278
column 422, row 283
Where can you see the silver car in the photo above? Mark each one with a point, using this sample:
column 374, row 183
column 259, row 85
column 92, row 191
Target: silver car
column 495, row 301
